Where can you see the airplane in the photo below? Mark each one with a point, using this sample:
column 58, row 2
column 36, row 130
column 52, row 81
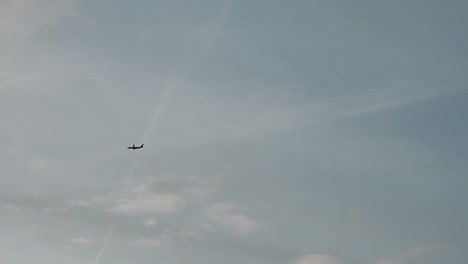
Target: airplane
column 134, row 148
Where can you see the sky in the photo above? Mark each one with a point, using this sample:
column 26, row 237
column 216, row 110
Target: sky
column 279, row 132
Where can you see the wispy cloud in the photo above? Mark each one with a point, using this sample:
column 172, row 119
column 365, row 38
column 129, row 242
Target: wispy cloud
column 389, row 261
column 143, row 198
column 421, row 251
column 408, row 257
column 26, row 66
column 223, row 215
column 146, row 243
column 376, row 102
column 30, row 16
column 81, row 241
column 12, row 207
column 318, row 259
column 150, row 222
column 258, row 93
column 149, row 202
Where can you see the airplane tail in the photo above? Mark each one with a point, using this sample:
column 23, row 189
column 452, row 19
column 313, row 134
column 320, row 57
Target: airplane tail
column 141, row 145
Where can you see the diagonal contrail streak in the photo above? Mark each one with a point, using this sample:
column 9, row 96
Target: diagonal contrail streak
column 218, row 19
column 154, row 120
column 157, row 113
column 104, row 245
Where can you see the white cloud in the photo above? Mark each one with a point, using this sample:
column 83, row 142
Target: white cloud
column 17, row 208
column 318, row 259
column 41, row 165
column 96, row 202
column 150, row 222
column 239, row 224
column 142, row 199
column 198, row 191
column 139, row 200
column 389, row 261
column 381, row 101
column 188, row 235
column 12, row 207
column 145, row 201
column 200, row 187
column 421, row 251
column 414, row 253
column 22, row 23
column 81, row 241
column 68, row 248
column 147, row 243
column 30, row 16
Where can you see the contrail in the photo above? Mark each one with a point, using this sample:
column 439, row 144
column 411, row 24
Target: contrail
column 155, row 118
column 112, row 227
column 104, row 246
column 109, row 234
column 157, row 113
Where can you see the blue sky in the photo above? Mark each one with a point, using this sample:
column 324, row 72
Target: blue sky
column 299, row 132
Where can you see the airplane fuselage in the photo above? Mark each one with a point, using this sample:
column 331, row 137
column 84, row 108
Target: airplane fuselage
column 135, row 148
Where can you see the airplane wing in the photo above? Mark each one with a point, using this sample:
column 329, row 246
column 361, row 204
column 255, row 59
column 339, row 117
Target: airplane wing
column 135, row 147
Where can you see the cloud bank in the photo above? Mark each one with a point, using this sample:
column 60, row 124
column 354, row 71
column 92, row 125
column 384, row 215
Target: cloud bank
column 318, row 259
column 239, row 224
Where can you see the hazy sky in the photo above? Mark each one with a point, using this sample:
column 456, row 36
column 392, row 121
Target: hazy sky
column 276, row 132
